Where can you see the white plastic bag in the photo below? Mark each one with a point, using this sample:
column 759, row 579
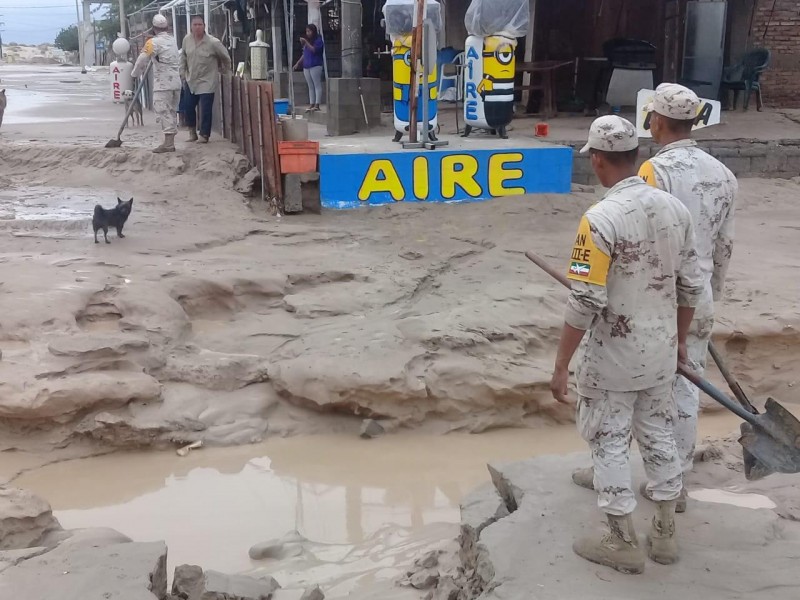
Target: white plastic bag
column 399, row 16
column 509, row 18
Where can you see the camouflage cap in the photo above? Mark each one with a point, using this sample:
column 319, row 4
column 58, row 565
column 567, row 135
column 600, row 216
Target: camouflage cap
column 160, row 22
column 611, row 134
column 674, row 101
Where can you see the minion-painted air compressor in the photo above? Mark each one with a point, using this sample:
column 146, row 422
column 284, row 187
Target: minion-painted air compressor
column 489, row 63
column 399, row 16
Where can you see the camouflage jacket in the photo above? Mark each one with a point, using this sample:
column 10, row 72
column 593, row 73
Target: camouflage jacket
column 163, row 51
column 632, row 264
column 708, row 189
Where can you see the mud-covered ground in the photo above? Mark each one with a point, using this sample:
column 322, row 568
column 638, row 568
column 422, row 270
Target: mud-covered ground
column 215, row 321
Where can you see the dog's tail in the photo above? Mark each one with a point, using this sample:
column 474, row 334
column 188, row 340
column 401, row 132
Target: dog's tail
column 98, row 211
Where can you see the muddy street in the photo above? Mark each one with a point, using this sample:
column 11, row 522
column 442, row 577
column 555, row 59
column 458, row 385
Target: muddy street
column 271, row 339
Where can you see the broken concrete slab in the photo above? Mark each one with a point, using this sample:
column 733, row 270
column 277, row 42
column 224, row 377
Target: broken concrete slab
column 128, row 571
column 24, row 518
column 219, row 586
column 187, row 582
column 313, row 593
column 726, row 551
column 11, row 558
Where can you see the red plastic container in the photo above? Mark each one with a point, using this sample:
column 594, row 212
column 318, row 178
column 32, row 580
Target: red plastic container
column 298, row 157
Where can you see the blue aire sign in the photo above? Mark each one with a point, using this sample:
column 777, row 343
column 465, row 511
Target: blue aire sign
column 352, row 180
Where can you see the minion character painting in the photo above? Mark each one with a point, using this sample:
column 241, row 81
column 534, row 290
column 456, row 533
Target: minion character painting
column 399, row 19
column 489, row 65
column 401, row 84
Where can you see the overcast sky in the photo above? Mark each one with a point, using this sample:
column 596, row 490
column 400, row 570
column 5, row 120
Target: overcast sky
column 38, row 21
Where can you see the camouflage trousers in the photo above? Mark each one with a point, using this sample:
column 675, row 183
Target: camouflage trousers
column 165, row 105
column 687, row 395
column 606, row 421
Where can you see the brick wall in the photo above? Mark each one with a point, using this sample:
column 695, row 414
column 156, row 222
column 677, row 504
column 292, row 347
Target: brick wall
column 779, row 31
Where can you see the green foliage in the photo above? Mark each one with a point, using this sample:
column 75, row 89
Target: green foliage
column 67, row 39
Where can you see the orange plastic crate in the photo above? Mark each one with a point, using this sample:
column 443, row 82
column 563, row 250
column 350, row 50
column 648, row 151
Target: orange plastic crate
column 298, row 157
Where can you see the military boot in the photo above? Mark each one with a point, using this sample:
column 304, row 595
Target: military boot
column 680, row 503
column 584, row 477
column 618, row 549
column 662, row 544
column 168, row 145
column 193, row 135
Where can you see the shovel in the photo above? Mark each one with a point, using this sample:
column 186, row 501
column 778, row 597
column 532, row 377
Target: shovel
column 117, row 142
column 770, row 440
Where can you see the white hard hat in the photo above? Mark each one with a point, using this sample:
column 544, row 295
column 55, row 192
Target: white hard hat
column 160, row 21
column 611, row 134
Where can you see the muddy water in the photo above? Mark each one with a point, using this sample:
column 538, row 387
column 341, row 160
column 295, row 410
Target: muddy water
column 366, row 507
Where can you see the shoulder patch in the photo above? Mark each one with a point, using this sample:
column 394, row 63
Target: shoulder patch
column 148, row 47
column 588, row 263
column 648, row 173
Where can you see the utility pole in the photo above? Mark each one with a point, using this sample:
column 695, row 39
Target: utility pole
column 123, row 22
column 80, row 38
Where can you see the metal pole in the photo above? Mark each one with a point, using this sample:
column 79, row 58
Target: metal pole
column 188, row 21
column 80, row 38
column 122, row 19
column 416, row 50
column 277, row 49
column 289, row 20
column 425, row 89
column 175, row 23
column 206, row 16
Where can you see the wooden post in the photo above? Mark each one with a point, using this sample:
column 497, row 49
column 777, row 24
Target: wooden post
column 416, row 51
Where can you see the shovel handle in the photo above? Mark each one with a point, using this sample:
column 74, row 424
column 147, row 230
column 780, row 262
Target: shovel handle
column 737, row 390
column 547, row 268
column 718, row 395
column 701, row 383
column 139, row 87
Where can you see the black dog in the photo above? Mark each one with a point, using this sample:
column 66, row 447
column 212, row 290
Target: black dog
column 112, row 217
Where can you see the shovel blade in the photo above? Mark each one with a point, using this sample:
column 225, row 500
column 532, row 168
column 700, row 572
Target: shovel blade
column 772, row 445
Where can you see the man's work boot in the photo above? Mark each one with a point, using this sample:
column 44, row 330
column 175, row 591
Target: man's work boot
column 680, row 503
column 203, row 139
column 168, row 145
column 584, row 477
column 193, row 135
column 662, row 544
column 618, row 549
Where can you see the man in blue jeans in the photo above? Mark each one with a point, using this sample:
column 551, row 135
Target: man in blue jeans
column 203, row 57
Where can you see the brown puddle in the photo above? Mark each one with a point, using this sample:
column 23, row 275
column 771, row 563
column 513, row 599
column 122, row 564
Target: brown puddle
column 368, row 508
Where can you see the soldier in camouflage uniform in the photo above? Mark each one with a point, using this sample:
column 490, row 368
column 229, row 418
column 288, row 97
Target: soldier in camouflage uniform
column 708, row 189
column 635, row 281
column 163, row 51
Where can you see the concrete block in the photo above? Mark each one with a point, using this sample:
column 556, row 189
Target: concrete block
column 721, row 152
column 773, row 162
column 345, row 110
column 738, row 164
column 301, row 193
column 752, row 150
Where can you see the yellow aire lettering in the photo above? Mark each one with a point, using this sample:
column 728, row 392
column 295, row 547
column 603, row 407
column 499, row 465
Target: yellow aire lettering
column 381, row 177
column 499, row 174
column 421, row 178
column 460, row 170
